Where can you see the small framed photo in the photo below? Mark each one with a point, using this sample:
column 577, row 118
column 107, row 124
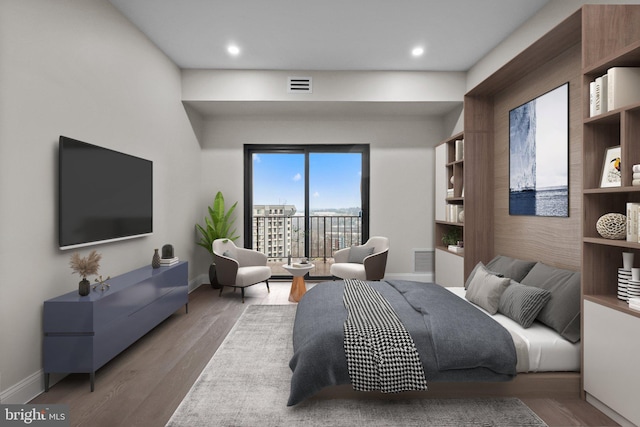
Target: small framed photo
column 611, row 175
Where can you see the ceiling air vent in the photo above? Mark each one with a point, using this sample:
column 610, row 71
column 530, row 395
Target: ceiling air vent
column 299, row 85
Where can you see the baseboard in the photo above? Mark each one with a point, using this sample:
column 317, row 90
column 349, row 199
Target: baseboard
column 197, row 282
column 602, row 407
column 25, row 390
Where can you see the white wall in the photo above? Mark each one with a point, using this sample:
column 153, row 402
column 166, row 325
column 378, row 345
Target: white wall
column 80, row 69
column 401, row 155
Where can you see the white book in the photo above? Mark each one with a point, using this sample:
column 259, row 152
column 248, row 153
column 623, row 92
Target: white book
column 597, row 109
column 459, row 149
column 169, row 264
column 455, row 249
column 604, row 90
column 592, row 100
column 632, row 221
column 623, row 87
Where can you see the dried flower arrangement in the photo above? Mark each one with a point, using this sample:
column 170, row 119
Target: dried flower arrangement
column 85, row 266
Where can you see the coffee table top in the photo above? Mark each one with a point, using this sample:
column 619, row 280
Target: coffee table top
column 298, row 269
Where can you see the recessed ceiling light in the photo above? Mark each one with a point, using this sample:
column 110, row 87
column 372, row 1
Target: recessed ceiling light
column 417, row 51
column 233, row 50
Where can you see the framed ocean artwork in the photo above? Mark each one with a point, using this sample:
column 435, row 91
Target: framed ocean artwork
column 539, row 155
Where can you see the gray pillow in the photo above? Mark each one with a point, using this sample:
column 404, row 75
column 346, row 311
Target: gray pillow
column 485, row 290
column 562, row 312
column 513, row 268
column 228, row 254
column 357, row 254
column 523, row 303
column 473, row 272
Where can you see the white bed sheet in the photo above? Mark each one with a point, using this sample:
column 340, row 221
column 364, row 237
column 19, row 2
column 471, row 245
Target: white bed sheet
column 548, row 351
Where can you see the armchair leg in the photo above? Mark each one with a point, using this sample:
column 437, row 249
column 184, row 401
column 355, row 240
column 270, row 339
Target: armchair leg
column 242, row 290
column 268, row 290
column 221, row 288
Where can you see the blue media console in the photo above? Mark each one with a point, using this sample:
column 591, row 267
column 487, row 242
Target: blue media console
column 81, row 334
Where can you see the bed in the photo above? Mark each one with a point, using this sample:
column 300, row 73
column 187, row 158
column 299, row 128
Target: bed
column 457, row 342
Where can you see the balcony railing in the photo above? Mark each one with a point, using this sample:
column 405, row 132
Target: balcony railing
column 277, row 236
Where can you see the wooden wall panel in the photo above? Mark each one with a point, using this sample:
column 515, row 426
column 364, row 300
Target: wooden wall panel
column 554, row 241
column 616, row 29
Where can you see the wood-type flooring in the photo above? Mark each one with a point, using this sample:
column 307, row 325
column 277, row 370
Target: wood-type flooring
column 145, row 384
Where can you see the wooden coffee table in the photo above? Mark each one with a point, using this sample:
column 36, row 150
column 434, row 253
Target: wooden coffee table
column 298, row 287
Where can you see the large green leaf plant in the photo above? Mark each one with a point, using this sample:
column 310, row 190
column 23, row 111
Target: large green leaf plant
column 218, row 224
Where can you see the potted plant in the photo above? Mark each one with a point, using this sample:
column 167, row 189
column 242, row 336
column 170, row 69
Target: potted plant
column 452, row 236
column 218, row 225
column 87, row 266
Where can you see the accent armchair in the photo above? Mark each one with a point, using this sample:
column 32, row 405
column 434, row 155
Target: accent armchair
column 239, row 267
column 364, row 262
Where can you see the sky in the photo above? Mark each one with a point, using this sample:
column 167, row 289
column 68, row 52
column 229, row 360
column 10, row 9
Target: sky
column 334, row 179
column 552, row 138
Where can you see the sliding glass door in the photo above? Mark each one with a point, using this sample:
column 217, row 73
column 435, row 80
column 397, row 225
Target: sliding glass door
column 305, row 202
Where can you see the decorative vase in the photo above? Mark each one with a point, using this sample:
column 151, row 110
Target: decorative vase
column 213, row 278
column 612, row 226
column 155, row 262
column 84, row 287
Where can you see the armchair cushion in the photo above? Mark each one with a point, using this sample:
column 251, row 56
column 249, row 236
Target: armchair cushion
column 357, row 254
column 349, row 270
column 251, row 275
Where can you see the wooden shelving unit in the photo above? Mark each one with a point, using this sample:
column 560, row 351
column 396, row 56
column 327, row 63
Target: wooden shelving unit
column 450, row 177
column 611, row 38
column 454, row 174
column 602, row 257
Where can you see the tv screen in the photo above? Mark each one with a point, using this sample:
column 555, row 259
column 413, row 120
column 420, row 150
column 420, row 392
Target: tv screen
column 103, row 195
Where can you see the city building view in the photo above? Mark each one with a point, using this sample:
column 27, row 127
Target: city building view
column 283, row 183
column 280, row 231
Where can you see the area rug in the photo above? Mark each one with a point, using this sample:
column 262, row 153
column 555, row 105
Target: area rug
column 246, row 384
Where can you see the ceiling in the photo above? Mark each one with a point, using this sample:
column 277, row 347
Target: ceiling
column 353, row 35
column 328, row 34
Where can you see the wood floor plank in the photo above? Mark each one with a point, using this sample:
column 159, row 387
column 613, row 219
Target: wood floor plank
column 145, row 383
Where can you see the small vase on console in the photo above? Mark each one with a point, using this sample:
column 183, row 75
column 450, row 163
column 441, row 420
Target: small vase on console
column 84, row 287
column 155, row 261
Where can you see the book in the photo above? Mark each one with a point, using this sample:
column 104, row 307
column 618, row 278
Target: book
column 300, row 265
column 632, row 221
column 597, row 108
column 592, row 99
column 452, row 213
column 164, row 262
column 459, row 149
column 623, row 87
column 456, row 249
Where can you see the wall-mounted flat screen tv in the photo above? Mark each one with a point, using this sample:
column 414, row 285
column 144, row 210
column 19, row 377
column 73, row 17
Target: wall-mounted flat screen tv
column 103, row 195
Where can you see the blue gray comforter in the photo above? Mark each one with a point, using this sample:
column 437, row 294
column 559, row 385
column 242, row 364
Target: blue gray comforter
column 456, row 341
